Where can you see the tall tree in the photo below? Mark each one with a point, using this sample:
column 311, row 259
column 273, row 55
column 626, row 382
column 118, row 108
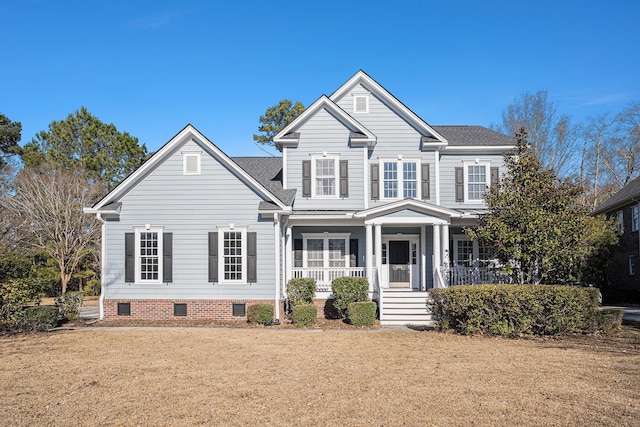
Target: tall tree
column 536, row 222
column 82, row 142
column 47, row 206
column 622, row 156
column 552, row 137
column 277, row 118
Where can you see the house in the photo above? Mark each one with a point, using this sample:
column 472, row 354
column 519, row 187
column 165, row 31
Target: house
column 622, row 276
column 364, row 187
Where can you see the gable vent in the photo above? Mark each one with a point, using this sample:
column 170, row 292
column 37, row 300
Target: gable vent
column 361, row 104
column 191, row 163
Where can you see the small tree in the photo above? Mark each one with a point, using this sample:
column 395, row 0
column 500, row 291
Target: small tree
column 537, row 223
column 277, row 118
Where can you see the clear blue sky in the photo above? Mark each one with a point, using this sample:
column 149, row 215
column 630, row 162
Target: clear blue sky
column 151, row 67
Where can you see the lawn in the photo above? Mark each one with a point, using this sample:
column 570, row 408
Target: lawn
column 197, row 376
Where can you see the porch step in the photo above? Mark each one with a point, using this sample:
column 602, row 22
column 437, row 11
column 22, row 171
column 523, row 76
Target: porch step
column 405, row 307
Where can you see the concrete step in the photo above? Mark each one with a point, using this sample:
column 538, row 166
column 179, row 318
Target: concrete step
column 408, row 305
column 404, row 322
column 404, row 312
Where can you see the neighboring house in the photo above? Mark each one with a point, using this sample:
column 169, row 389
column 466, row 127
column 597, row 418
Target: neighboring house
column 364, row 188
column 623, row 276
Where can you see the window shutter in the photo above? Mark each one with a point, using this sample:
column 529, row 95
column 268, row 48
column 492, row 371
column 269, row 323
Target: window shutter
column 167, row 257
column 459, row 184
column 306, row 178
column 353, row 252
column 297, row 252
column 213, row 257
column 129, row 257
column 375, row 182
column 344, row 178
column 426, row 188
column 495, row 176
column 252, row 249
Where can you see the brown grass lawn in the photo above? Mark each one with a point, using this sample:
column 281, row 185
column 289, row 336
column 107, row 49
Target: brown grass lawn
column 195, row 376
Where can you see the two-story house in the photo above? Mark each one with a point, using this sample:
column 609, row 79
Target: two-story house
column 364, row 187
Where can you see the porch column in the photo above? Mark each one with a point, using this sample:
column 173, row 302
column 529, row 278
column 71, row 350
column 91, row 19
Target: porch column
column 288, row 257
column 368, row 263
column 436, row 254
column 278, row 240
column 423, row 257
column 378, row 252
column 445, row 244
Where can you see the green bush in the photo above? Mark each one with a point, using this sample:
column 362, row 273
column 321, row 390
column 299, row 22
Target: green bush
column 304, row 315
column 69, row 304
column 261, row 314
column 609, row 319
column 301, row 290
column 14, row 295
column 513, row 310
column 362, row 313
column 347, row 290
column 39, row 318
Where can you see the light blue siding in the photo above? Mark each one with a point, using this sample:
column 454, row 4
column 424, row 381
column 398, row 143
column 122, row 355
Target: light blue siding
column 189, row 206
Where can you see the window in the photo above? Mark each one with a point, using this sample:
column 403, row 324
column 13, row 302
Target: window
column 634, row 218
column 464, row 253
column 191, row 163
column 179, row 309
column 124, row 309
column 469, row 253
column 325, row 176
column 632, row 266
column 620, row 219
column 238, row 309
column 404, row 184
column 326, row 250
column 361, row 103
column 477, row 181
column 234, row 255
column 149, row 255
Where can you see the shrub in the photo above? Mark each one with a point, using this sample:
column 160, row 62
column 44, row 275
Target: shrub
column 261, row 314
column 513, row 310
column 301, row 290
column 609, row 319
column 14, row 295
column 69, row 304
column 304, row 315
column 362, row 313
column 347, row 290
column 39, row 318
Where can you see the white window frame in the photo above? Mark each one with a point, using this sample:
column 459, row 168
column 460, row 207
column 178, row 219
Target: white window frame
column 336, row 176
column 487, row 177
column 325, row 247
column 475, row 253
column 138, row 233
column 221, row 254
column 355, row 103
column 634, row 218
column 620, row 225
column 190, row 154
column 400, row 177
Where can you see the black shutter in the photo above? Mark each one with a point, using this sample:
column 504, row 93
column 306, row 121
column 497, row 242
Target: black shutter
column 213, row 257
column 344, row 178
column 306, row 178
column 129, row 257
column 353, row 252
column 297, row 252
column 252, row 249
column 459, row 184
column 495, row 176
column 375, row 182
column 167, row 257
column 426, row 188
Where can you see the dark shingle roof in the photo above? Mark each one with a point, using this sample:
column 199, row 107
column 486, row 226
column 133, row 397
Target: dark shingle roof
column 474, row 135
column 622, row 197
column 268, row 172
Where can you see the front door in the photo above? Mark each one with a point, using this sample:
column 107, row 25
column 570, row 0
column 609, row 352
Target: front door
column 399, row 264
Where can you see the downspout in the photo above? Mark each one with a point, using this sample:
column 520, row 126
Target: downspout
column 103, row 256
column 284, row 223
column 276, row 227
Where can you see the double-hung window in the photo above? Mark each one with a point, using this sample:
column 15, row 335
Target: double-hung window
column 326, row 250
column 634, row 218
column 148, row 255
column 400, row 179
column 620, row 224
column 477, row 181
column 324, row 176
column 233, row 248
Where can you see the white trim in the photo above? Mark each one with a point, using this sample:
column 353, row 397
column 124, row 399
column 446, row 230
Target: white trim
column 480, row 148
column 148, row 229
column 400, row 177
column 336, row 175
column 366, row 183
column 487, row 177
column 355, row 103
column 325, row 247
column 436, row 155
column 284, row 168
column 221, row 255
column 185, row 162
column 421, row 206
column 635, row 218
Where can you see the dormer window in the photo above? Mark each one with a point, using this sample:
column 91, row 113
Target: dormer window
column 361, row 103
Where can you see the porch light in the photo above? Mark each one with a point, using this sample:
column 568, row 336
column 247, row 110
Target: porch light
column 232, row 226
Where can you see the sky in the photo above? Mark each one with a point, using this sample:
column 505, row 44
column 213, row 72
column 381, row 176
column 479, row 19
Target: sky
column 152, row 67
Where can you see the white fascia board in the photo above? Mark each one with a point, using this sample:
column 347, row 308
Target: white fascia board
column 406, row 221
column 408, row 204
column 400, row 108
column 480, row 148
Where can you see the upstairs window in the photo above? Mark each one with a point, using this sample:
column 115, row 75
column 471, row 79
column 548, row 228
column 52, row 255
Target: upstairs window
column 634, row 218
column 620, row 219
column 324, row 176
column 400, row 179
column 361, row 103
column 473, row 180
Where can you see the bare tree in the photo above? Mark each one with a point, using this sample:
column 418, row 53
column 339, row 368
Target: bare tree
column 47, row 206
column 622, row 157
column 552, row 137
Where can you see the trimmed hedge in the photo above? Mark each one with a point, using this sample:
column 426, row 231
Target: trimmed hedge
column 362, row 313
column 347, row 290
column 301, row 290
column 69, row 304
column 261, row 314
column 304, row 315
column 609, row 319
column 513, row 310
column 39, row 318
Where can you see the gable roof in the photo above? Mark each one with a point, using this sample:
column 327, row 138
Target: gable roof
column 268, row 172
column 189, row 132
column 398, row 107
column 627, row 194
column 459, row 136
column 417, row 205
column 289, row 136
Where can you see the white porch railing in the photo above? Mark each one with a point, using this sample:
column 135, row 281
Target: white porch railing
column 475, row 276
column 324, row 276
